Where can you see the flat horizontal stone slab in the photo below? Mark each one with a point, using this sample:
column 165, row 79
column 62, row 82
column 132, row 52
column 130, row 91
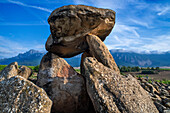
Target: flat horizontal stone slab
column 70, row 24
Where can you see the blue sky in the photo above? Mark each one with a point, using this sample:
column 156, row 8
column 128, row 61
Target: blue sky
column 141, row 25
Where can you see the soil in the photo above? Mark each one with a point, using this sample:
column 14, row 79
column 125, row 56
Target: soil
column 162, row 75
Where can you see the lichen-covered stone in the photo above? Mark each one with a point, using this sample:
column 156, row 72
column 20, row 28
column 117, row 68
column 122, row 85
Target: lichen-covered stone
column 9, row 71
column 113, row 93
column 18, row 95
column 70, row 24
column 25, row 72
column 13, row 70
column 63, row 84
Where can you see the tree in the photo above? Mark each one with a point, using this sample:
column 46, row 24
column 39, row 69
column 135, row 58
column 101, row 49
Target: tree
column 148, row 68
column 128, row 69
column 123, row 69
column 137, row 68
column 157, row 68
column 152, row 68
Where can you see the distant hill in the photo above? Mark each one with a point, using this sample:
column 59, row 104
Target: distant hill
column 29, row 58
column 126, row 58
column 141, row 59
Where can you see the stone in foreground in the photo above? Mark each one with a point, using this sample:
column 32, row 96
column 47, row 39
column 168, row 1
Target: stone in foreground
column 63, row 84
column 114, row 93
column 18, row 95
column 9, row 71
column 25, row 72
column 70, row 24
column 13, row 70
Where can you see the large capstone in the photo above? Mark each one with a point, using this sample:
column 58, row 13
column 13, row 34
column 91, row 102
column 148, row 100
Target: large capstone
column 70, row 24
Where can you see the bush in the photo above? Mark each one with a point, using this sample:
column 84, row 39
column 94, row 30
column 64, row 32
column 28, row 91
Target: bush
column 36, row 68
column 157, row 68
column 148, row 72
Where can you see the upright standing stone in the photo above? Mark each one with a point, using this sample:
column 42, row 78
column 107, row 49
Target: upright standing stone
column 113, row 93
column 63, row 84
column 99, row 50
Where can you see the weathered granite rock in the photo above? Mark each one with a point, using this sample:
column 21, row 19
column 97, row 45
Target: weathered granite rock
column 114, row 93
column 63, row 84
column 160, row 107
column 70, row 24
column 83, row 56
column 158, row 92
column 13, row 70
column 99, row 50
column 9, row 71
column 25, row 72
column 18, row 95
column 166, row 111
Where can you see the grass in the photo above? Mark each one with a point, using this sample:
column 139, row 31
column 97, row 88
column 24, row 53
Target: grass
column 77, row 70
column 2, row 67
column 150, row 80
column 164, row 69
column 142, row 76
column 163, row 81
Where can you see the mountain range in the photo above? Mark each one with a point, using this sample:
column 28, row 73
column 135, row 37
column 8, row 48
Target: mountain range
column 122, row 58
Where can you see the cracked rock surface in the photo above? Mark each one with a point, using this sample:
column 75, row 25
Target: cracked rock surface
column 70, row 24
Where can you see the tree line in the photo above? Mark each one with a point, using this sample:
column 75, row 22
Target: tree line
column 136, row 68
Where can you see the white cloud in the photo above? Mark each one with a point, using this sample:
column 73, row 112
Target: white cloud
column 161, row 43
column 130, row 31
column 40, row 46
column 141, row 23
column 163, row 10
column 26, row 5
column 10, row 48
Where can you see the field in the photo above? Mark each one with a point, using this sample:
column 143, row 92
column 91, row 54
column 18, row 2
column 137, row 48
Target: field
column 163, row 74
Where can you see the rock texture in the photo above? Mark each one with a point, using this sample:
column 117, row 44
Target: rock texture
column 159, row 92
column 63, row 84
column 114, row 93
column 99, row 50
column 13, row 70
column 18, row 95
column 9, row 71
column 25, row 72
column 70, row 24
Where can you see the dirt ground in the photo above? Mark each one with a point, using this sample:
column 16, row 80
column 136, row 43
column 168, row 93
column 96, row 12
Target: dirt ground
column 162, row 75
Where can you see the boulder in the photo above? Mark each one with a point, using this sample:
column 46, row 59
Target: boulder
column 19, row 95
column 13, row 70
column 25, row 72
column 63, row 84
column 99, row 50
column 166, row 111
column 114, row 93
column 70, row 24
column 9, row 71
